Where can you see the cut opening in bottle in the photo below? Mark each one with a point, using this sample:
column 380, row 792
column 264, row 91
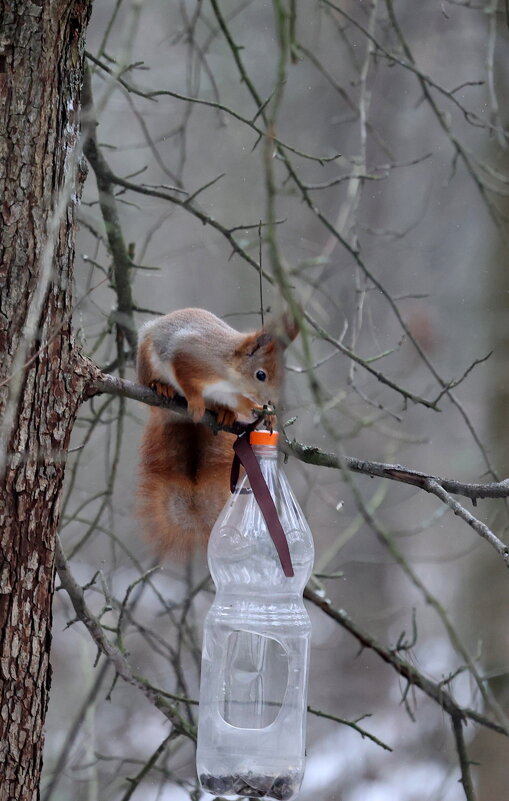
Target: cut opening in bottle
column 255, row 680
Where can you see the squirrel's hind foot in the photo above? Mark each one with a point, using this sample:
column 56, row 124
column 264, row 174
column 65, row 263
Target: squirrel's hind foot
column 166, row 390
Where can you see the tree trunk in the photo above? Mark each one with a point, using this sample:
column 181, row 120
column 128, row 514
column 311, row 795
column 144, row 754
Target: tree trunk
column 42, row 379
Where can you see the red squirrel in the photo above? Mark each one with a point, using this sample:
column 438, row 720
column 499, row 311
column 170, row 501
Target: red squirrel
column 185, row 467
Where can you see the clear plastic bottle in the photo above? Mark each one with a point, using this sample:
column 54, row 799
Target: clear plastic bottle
column 252, row 718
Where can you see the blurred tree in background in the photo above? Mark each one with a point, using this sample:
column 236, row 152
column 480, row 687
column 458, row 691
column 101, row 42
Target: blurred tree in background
column 348, row 155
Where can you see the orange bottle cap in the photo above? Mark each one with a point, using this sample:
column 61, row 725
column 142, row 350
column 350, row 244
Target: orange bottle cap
column 263, row 438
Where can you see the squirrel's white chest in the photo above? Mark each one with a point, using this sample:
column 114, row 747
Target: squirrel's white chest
column 222, row 392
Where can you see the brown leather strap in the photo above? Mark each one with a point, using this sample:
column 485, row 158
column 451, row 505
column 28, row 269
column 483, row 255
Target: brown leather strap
column 234, row 473
column 244, row 455
column 244, row 430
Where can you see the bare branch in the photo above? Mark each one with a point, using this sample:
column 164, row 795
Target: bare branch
column 313, row 455
column 122, row 263
column 110, row 650
column 403, row 668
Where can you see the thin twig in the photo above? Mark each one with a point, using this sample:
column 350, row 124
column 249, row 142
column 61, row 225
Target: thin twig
column 431, row 485
column 466, row 778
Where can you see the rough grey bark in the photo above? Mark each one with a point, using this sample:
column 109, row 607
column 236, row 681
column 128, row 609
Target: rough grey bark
column 41, row 61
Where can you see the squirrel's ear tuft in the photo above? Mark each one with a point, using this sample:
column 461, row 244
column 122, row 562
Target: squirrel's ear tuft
column 261, row 340
column 284, row 328
column 291, row 325
column 252, row 343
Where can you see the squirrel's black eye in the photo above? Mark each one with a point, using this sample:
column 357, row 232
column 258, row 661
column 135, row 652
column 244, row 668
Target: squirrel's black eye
column 261, row 375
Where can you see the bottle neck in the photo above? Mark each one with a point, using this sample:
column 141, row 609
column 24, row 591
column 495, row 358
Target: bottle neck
column 265, row 451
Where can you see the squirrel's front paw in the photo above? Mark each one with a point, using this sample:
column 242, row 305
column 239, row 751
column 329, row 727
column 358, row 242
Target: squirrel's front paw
column 270, row 422
column 166, row 390
column 225, row 416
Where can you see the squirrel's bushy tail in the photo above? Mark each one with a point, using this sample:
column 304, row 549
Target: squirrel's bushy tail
column 183, row 482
